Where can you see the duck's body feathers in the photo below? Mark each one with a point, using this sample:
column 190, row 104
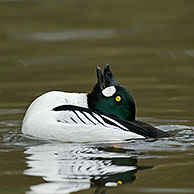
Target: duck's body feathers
column 66, row 117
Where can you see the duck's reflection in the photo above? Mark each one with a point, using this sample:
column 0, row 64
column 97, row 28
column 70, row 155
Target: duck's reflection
column 69, row 168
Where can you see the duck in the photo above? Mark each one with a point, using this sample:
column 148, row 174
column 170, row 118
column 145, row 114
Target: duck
column 107, row 113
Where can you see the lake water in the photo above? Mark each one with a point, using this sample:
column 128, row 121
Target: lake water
column 55, row 45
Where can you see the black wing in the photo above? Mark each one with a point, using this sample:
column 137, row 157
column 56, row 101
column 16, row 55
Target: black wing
column 88, row 116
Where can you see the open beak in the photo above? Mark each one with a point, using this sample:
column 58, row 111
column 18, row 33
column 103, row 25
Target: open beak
column 100, row 79
column 109, row 78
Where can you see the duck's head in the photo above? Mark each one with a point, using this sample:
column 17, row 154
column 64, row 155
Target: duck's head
column 110, row 97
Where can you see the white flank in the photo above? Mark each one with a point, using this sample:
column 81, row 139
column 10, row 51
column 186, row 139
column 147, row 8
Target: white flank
column 109, row 91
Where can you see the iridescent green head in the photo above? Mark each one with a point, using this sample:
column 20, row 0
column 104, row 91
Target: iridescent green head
column 109, row 97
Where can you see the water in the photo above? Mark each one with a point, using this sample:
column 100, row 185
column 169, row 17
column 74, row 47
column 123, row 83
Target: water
column 55, row 45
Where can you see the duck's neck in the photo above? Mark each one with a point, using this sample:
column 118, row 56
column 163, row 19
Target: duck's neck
column 92, row 97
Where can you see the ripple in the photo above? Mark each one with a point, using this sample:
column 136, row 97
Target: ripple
column 164, row 190
column 87, row 34
column 68, row 168
column 174, row 127
column 10, row 123
column 67, row 35
column 10, row 0
column 51, row 60
column 11, row 111
column 178, row 54
column 150, row 119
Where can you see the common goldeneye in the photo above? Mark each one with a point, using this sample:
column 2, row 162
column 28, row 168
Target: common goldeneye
column 105, row 114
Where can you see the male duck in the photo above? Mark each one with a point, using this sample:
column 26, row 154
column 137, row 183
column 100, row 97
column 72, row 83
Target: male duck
column 105, row 114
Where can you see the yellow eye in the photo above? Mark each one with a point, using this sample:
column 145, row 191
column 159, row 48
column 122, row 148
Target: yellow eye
column 119, row 182
column 118, row 98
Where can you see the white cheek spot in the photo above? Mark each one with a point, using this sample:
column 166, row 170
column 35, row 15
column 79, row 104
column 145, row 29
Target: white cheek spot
column 109, row 91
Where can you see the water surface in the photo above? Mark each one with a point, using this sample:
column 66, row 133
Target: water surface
column 55, row 45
